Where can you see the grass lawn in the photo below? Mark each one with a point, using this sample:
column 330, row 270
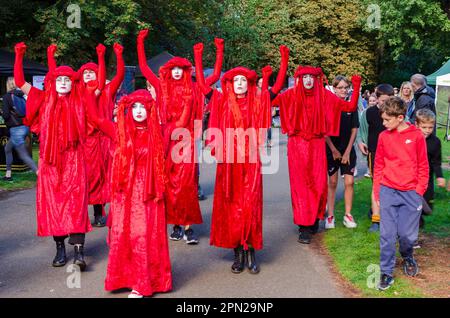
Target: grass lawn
column 21, row 180
column 445, row 147
column 356, row 251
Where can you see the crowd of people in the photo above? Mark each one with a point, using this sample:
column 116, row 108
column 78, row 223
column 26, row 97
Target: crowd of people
column 134, row 154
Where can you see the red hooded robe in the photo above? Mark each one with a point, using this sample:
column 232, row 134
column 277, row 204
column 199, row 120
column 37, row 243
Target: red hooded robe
column 307, row 116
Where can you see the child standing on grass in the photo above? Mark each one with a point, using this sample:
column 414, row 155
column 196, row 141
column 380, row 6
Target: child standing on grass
column 425, row 121
column 371, row 126
column 400, row 180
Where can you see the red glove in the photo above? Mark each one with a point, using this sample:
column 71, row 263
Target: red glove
column 101, row 49
column 142, row 35
column 219, row 44
column 284, row 51
column 118, row 49
column 19, row 78
column 51, row 62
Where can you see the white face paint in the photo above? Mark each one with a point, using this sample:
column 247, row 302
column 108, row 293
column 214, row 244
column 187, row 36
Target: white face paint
column 63, row 85
column 139, row 112
column 308, row 81
column 240, row 84
column 177, row 73
column 89, row 75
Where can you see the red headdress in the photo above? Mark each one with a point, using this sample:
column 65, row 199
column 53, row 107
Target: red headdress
column 65, row 111
column 88, row 66
column 124, row 159
column 176, row 95
column 309, row 103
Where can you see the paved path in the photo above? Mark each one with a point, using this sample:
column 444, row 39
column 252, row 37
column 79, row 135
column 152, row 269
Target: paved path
column 288, row 269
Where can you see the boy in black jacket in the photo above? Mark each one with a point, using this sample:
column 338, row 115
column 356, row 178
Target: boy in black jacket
column 425, row 121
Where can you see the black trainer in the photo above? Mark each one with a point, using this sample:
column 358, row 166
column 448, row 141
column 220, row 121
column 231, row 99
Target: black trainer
column 5, row 178
column 252, row 265
column 410, row 267
column 201, row 195
column 190, row 237
column 304, row 236
column 99, row 221
column 315, row 227
column 385, row 281
column 177, row 233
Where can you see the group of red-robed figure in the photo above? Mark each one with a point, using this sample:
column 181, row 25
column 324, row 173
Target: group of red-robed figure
column 87, row 158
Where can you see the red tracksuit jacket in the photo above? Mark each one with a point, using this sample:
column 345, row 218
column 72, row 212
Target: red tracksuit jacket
column 401, row 161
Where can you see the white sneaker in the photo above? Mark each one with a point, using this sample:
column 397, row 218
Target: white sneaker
column 329, row 222
column 349, row 222
column 367, row 175
column 355, row 174
column 135, row 294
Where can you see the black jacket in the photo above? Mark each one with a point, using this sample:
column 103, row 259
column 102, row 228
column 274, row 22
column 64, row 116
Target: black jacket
column 424, row 98
column 12, row 119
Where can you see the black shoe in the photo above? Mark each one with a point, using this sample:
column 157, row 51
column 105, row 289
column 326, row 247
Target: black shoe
column 201, row 195
column 79, row 257
column 369, row 214
column 410, row 267
column 385, row 282
column 177, row 233
column 252, row 264
column 99, row 221
column 315, row 227
column 239, row 260
column 305, row 236
column 5, row 178
column 60, row 258
column 190, row 237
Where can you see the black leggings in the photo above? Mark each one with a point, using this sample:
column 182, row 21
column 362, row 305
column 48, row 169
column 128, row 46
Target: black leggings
column 75, row 238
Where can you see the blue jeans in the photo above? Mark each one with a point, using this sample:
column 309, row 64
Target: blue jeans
column 18, row 135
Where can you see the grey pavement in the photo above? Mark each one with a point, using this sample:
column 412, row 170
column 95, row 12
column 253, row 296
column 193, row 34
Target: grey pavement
column 288, row 269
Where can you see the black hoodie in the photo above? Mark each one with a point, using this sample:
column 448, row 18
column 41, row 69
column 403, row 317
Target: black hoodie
column 424, row 98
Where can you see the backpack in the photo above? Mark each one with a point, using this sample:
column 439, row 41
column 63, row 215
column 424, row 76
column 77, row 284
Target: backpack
column 19, row 105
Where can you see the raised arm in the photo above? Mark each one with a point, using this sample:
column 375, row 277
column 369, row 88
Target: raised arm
column 19, row 77
column 101, row 50
column 51, row 61
column 210, row 80
column 198, row 58
column 276, row 88
column 146, row 71
column 120, row 69
column 352, row 105
column 103, row 124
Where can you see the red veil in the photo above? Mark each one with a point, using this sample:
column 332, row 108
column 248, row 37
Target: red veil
column 124, row 162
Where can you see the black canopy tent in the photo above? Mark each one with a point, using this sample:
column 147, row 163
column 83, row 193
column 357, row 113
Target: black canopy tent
column 155, row 63
column 30, row 68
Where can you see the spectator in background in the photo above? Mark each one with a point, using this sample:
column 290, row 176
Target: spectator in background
column 423, row 96
column 13, row 111
column 396, row 92
column 407, row 95
column 373, row 100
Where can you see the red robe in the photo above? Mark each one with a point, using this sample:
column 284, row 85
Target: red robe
column 238, row 193
column 307, row 116
column 139, row 253
column 181, row 103
column 61, row 193
column 98, row 147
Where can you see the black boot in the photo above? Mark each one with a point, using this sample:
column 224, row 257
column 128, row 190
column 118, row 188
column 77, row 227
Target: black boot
column 79, row 257
column 60, row 258
column 252, row 265
column 305, row 235
column 315, row 227
column 239, row 260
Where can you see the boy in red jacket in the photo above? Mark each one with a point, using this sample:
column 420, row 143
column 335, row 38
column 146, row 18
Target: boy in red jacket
column 400, row 180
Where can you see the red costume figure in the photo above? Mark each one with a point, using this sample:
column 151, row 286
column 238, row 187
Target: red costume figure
column 57, row 115
column 179, row 104
column 139, row 252
column 97, row 146
column 242, row 111
column 309, row 112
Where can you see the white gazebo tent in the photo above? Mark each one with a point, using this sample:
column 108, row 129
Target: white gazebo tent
column 443, row 103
